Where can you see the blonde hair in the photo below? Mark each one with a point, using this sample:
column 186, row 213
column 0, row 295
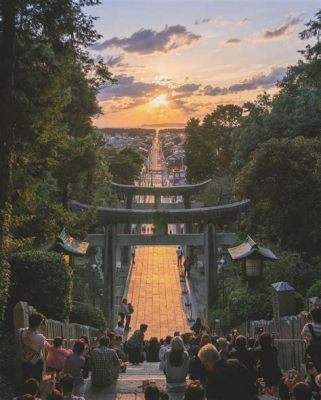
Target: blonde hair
column 208, row 353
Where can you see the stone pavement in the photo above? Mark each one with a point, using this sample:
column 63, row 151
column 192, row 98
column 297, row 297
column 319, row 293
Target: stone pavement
column 155, row 292
column 129, row 384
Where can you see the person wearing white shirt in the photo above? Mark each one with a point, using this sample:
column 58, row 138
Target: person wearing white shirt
column 119, row 329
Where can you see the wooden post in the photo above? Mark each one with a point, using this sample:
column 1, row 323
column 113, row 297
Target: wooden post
column 210, row 262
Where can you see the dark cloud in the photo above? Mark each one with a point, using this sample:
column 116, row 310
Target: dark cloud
column 127, row 86
column 264, row 81
column 215, row 21
column 187, row 87
column 233, row 41
column 245, row 20
column 284, row 30
column 148, row 41
column 214, row 91
column 202, row 21
column 114, row 61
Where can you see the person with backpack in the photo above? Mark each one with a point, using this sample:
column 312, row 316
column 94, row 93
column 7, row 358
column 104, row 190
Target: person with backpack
column 125, row 311
column 312, row 332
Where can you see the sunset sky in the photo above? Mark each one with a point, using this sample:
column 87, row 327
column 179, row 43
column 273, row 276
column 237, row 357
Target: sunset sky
column 177, row 59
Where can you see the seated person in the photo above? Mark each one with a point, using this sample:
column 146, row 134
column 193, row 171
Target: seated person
column 105, row 364
column 67, row 387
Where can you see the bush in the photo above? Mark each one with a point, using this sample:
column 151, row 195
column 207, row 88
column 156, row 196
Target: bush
column 86, row 314
column 247, row 304
column 4, row 284
column 314, row 290
column 43, row 280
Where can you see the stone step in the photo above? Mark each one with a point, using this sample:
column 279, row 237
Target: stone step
column 129, row 384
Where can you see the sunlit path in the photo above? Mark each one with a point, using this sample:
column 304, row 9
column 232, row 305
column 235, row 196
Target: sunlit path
column 155, row 292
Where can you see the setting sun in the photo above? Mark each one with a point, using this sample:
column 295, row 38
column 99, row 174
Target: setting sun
column 159, row 101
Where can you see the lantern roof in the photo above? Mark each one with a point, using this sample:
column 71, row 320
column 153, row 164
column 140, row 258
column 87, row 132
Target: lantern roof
column 251, row 248
column 282, row 287
column 68, row 245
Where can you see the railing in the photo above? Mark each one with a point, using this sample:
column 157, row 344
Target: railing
column 291, row 347
column 70, row 332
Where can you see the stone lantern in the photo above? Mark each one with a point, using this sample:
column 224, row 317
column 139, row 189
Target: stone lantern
column 252, row 257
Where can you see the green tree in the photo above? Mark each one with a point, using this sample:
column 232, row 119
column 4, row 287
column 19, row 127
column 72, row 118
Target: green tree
column 284, row 183
column 125, row 166
column 210, row 146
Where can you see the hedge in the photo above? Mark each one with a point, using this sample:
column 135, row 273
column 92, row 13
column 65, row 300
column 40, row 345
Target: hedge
column 43, row 280
column 86, row 314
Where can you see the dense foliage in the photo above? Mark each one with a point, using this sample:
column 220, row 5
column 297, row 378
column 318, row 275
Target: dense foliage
column 125, row 165
column 269, row 150
column 86, row 314
column 43, row 280
column 50, row 152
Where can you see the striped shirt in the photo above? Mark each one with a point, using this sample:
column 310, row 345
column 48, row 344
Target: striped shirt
column 306, row 334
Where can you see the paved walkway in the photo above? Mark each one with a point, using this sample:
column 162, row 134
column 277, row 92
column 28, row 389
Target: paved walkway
column 129, row 385
column 155, row 292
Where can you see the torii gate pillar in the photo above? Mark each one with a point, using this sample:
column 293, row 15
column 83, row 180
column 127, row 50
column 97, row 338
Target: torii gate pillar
column 109, row 274
column 210, row 261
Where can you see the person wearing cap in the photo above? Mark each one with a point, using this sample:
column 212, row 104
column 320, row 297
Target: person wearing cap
column 176, row 369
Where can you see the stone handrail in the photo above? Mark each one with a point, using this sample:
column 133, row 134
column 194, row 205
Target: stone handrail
column 69, row 331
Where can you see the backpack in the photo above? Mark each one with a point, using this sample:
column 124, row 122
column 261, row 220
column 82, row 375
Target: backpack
column 130, row 308
column 313, row 350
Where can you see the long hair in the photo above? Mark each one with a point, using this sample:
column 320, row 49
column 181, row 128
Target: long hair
column 176, row 357
column 176, row 353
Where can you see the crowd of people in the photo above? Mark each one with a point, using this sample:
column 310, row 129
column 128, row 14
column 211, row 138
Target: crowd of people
column 196, row 364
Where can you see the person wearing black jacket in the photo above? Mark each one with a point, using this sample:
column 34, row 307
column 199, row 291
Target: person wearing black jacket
column 227, row 380
column 246, row 356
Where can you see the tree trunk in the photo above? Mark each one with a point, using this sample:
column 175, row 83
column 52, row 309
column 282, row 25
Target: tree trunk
column 8, row 9
column 7, row 12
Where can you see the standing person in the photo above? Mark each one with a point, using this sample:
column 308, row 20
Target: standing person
column 124, row 312
column 133, row 253
column 227, row 380
column 179, row 253
column 135, row 345
column 187, row 267
column 267, row 356
column 33, row 345
column 129, row 316
column 104, row 363
column 176, row 369
column 312, row 332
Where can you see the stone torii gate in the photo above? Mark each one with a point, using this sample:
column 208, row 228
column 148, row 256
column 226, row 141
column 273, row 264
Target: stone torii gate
column 210, row 239
column 186, row 191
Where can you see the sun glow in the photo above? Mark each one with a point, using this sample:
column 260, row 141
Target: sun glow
column 159, row 101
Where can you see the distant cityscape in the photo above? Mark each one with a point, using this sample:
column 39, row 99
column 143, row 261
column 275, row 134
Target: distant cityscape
column 140, row 140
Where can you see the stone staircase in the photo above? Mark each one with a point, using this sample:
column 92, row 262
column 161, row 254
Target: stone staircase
column 129, row 384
